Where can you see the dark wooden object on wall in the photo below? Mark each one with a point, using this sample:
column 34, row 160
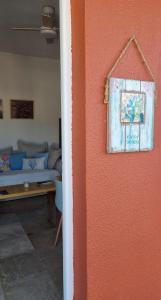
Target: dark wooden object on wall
column 1, row 109
column 60, row 142
column 22, row 109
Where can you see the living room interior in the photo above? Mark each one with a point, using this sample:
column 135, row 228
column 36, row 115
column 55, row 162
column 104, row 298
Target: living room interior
column 31, row 259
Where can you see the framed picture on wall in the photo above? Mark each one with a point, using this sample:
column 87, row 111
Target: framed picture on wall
column 1, row 109
column 131, row 115
column 22, row 109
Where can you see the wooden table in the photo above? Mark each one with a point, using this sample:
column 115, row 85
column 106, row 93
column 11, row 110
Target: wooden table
column 19, row 191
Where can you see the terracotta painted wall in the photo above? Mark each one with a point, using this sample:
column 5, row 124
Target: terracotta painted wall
column 121, row 193
column 79, row 142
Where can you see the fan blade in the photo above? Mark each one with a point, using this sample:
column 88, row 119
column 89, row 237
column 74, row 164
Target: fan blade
column 25, row 29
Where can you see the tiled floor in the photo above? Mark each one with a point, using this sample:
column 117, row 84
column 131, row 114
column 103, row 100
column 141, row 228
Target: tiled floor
column 13, row 240
column 30, row 265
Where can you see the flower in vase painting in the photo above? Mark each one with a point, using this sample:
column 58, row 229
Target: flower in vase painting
column 132, row 107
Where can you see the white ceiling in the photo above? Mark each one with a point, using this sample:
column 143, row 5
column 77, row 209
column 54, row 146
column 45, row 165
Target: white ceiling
column 19, row 13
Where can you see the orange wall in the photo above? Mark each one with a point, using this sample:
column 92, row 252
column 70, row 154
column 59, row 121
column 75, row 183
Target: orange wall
column 121, row 193
column 79, row 165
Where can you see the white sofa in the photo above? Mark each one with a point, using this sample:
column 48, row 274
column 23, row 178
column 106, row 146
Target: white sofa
column 20, row 176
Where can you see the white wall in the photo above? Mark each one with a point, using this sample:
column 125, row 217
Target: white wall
column 30, row 78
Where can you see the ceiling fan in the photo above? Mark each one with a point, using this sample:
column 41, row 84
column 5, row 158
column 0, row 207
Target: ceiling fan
column 48, row 29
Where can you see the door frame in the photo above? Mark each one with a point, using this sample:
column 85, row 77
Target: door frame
column 66, row 115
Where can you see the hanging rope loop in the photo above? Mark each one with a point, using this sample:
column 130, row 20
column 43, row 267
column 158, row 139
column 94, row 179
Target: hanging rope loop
column 123, row 52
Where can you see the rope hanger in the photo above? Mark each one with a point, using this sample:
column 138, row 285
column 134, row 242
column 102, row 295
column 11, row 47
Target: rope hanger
column 123, row 52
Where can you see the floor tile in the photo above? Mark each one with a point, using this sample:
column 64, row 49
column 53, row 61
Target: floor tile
column 8, row 219
column 30, row 266
column 13, row 240
column 8, row 271
column 38, row 219
column 53, row 263
column 39, row 287
column 15, row 268
column 1, row 293
column 46, row 237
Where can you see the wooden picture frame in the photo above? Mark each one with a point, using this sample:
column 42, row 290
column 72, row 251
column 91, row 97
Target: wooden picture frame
column 22, row 109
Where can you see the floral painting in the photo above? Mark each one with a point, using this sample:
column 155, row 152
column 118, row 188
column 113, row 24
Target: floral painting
column 1, row 109
column 132, row 107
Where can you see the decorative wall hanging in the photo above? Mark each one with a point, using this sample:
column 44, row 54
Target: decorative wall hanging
column 1, row 109
column 131, row 109
column 22, row 109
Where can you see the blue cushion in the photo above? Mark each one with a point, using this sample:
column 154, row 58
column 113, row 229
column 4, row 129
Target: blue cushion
column 40, row 155
column 16, row 160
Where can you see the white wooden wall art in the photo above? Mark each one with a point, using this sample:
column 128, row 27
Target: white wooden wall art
column 131, row 111
column 131, row 115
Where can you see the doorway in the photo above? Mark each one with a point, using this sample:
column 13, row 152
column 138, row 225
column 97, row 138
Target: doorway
column 66, row 98
column 66, row 116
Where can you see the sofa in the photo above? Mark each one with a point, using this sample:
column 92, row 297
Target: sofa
column 30, row 162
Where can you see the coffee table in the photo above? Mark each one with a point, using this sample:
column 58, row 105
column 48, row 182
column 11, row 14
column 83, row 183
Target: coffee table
column 15, row 192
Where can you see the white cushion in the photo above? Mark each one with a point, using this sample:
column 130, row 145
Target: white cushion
column 34, row 163
column 31, row 148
